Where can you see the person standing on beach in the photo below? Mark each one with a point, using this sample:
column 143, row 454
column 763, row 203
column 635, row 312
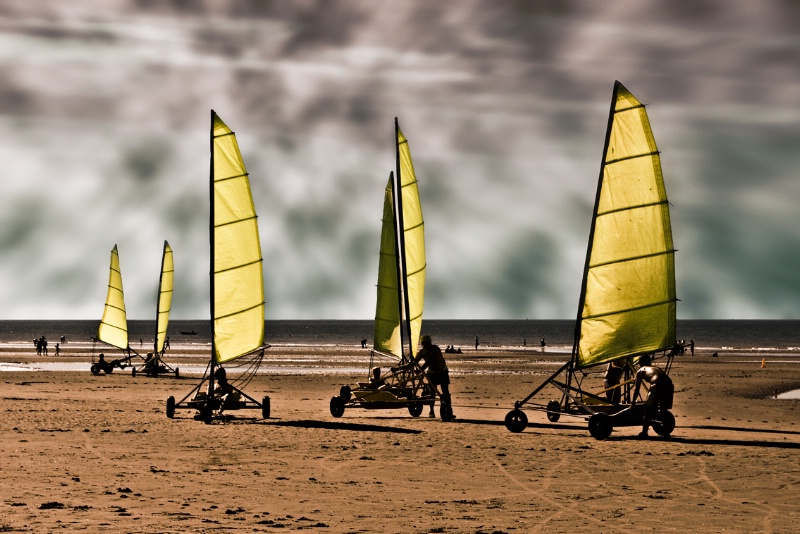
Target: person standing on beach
column 476, row 342
column 435, row 367
column 659, row 397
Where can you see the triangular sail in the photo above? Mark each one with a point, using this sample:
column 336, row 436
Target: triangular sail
column 164, row 303
column 238, row 283
column 409, row 265
column 113, row 327
column 628, row 301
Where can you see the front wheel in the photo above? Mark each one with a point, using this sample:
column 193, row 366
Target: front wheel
column 171, row 407
column 265, row 407
column 553, row 411
column 415, row 409
column 337, row 406
column 516, row 420
column 663, row 423
column 600, row 426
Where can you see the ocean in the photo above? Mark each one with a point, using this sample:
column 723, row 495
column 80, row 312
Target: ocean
column 708, row 335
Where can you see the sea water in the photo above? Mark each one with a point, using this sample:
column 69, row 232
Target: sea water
column 558, row 335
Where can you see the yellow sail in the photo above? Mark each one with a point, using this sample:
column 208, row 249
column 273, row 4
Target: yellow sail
column 238, row 283
column 387, row 309
column 410, row 264
column 628, row 302
column 113, row 327
column 164, row 297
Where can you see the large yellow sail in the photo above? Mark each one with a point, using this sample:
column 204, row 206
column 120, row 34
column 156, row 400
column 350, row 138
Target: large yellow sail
column 238, row 287
column 113, row 327
column 410, row 265
column 164, row 304
column 628, row 302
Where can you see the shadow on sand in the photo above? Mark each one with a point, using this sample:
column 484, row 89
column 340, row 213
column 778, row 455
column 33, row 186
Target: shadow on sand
column 333, row 425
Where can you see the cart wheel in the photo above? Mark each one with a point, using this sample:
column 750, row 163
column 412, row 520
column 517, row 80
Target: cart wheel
column 415, row 409
column 108, row 370
column 207, row 413
column 95, row 369
column 600, row 426
column 664, row 423
column 337, row 406
column 345, row 393
column 133, row 371
column 171, row 407
column 265, row 407
column 516, row 420
column 176, row 372
column 553, row 411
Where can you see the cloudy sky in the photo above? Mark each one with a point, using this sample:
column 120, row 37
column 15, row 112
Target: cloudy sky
column 104, row 117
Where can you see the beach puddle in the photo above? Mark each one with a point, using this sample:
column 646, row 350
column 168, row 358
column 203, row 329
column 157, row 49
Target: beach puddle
column 794, row 395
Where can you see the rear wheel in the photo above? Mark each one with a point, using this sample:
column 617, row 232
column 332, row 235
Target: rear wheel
column 345, row 393
column 176, row 372
column 553, row 411
column 600, row 426
column 445, row 412
column 516, row 420
column 664, row 423
column 133, row 371
column 265, row 407
column 171, row 407
column 415, row 409
column 337, row 406
column 95, row 369
column 207, row 413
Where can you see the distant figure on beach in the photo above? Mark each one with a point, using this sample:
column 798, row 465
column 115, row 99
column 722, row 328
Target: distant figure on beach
column 364, row 343
column 691, row 346
column 614, row 373
column 141, row 342
column 63, row 339
column 661, row 391
column 476, row 342
column 524, row 342
column 43, row 342
column 58, row 349
column 38, row 346
column 166, row 343
column 543, row 343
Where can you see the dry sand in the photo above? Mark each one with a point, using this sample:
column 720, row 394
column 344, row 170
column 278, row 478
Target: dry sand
column 97, row 453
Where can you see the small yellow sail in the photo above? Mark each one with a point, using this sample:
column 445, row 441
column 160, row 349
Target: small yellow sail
column 237, row 264
column 629, row 301
column 113, row 327
column 411, row 264
column 164, row 304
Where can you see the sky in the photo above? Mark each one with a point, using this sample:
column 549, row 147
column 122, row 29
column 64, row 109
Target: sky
column 104, row 120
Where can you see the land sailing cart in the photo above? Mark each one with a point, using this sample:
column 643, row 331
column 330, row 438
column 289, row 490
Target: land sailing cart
column 400, row 299
column 237, row 288
column 627, row 304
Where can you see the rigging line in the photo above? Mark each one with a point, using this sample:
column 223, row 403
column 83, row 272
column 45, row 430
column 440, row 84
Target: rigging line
column 241, row 265
column 633, row 258
column 254, row 217
column 635, row 156
column 251, row 308
column 226, row 178
column 626, row 310
column 638, row 206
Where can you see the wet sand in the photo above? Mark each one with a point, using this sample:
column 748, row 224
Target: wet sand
column 97, row 454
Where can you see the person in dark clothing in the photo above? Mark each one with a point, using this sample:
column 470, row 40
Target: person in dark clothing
column 659, row 397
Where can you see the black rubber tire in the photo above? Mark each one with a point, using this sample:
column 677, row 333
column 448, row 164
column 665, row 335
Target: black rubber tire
column 337, row 406
column 600, row 426
column 265, row 406
column 95, row 369
column 446, row 412
column 663, row 423
column 177, row 374
column 133, row 372
column 516, row 420
column 109, row 369
column 345, row 393
column 415, row 409
column 171, row 407
column 207, row 413
column 553, row 411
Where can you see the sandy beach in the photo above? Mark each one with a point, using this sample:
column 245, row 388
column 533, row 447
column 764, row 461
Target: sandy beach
column 97, row 454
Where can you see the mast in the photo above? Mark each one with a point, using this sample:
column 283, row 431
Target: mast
column 211, row 254
column 158, row 299
column 401, row 244
column 582, row 299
